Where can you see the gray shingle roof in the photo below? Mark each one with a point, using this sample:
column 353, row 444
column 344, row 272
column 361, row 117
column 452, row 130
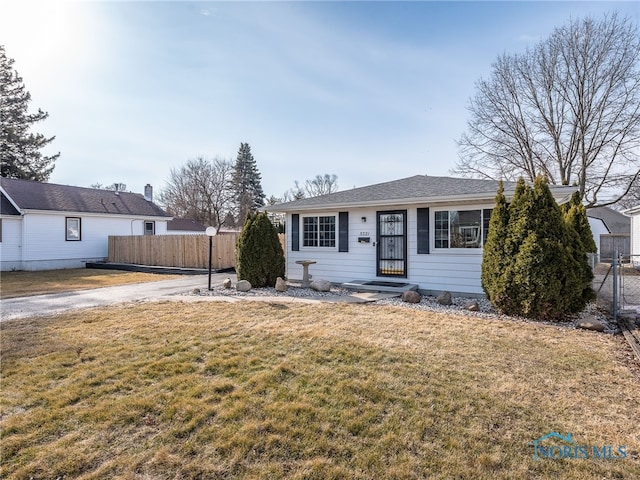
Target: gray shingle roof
column 185, row 224
column 28, row 195
column 411, row 190
column 6, row 207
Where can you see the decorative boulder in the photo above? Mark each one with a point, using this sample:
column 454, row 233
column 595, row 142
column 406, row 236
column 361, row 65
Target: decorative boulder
column 243, row 286
column 472, row 306
column 444, row 298
column 320, row 285
column 281, row 285
column 411, row 296
column 196, row 291
column 590, row 322
column 226, row 283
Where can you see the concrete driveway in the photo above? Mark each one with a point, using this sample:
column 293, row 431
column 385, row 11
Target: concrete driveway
column 22, row 307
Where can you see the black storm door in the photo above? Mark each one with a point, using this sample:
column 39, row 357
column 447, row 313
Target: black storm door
column 392, row 244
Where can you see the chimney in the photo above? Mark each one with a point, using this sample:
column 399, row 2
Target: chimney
column 148, row 193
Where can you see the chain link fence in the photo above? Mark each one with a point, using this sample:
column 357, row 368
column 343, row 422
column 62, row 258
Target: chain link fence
column 617, row 283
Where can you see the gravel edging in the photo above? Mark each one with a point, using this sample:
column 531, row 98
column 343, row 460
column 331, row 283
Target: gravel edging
column 427, row 303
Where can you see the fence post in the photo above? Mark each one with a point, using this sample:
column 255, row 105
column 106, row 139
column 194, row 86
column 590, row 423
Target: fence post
column 615, row 285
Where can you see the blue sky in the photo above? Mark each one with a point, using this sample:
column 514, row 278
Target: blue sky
column 369, row 91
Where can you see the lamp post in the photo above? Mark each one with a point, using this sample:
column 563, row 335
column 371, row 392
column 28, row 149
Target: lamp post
column 211, row 232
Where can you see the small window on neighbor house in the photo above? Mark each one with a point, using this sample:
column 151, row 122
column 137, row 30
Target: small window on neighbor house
column 73, row 229
column 149, row 228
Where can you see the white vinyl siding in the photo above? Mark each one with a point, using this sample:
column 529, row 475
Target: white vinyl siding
column 39, row 239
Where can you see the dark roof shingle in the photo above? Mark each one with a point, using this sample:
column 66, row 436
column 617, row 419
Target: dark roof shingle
column 419, row 188
column 28, row 195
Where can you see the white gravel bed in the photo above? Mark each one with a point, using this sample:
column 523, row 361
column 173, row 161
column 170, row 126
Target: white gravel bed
column 428, row 303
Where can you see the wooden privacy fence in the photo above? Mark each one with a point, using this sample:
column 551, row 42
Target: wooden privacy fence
column 183, row 251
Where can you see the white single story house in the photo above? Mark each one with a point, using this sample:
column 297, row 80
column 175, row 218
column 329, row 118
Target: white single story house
column 422, row 230
column 48, row 226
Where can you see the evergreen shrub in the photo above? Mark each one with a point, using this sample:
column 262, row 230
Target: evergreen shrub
column 259, row 254
column 534, row 261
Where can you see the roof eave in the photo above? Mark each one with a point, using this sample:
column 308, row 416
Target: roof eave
column 97, row 214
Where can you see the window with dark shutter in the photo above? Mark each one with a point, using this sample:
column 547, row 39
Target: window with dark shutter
column 423, row 230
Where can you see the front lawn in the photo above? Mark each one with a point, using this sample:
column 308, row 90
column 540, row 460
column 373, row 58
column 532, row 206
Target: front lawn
column 257, row 390
column 25, row 284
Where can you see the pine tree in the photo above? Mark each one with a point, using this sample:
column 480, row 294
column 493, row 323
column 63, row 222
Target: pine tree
column 260, row 258
column 246, row 183
column 20, row 155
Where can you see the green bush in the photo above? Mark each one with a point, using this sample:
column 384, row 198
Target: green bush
column 259, row 255
column 534, row 262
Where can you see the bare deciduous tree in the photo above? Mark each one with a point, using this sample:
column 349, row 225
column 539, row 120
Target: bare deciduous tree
column 319, row 185
column 199, row 190
column 568, row 109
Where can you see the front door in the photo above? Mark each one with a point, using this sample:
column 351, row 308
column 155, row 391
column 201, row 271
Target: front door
column 391, row 251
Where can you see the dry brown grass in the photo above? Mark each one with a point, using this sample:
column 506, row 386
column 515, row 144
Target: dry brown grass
column 23, row 284
column 330, row 391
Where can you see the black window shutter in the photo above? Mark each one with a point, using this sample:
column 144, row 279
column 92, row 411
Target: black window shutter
column 343, row 231
column 295, row 232
column 423, row 230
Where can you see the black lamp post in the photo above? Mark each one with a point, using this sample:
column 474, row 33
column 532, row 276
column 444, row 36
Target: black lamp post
column 211, row 232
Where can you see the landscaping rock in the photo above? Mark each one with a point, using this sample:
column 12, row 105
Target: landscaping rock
column 243, row 286
column 196, row 291
column 472, row 306
column 281, row 285
column 320, row 285
column 411, row 296
column 444, row 298
column 226, row 283
column 590, row 322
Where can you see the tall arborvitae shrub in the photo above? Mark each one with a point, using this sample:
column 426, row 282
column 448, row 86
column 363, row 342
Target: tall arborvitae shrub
column 493, row 257
column 541, row 275
column 581, row 243
column 259, row 255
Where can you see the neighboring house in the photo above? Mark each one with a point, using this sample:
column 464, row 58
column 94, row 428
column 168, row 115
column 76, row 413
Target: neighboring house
column 185, row 226
column 48, row 226
column 616, row 233
column 634, row 213
column 427, row 231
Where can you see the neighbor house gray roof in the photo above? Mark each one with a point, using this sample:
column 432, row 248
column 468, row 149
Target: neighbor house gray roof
column 419, row 189
column 616, row 222
column 6, row 207
column 28, row 195
column 185, row 224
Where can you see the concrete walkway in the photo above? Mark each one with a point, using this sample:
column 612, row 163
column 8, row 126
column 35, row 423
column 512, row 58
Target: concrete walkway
column 178, row 289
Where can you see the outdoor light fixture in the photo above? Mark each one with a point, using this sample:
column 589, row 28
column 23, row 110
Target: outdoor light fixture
column 211, row 232
column 364, row 219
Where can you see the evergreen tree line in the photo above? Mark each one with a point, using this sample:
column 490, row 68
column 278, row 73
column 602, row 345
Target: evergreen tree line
column 535, row 261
